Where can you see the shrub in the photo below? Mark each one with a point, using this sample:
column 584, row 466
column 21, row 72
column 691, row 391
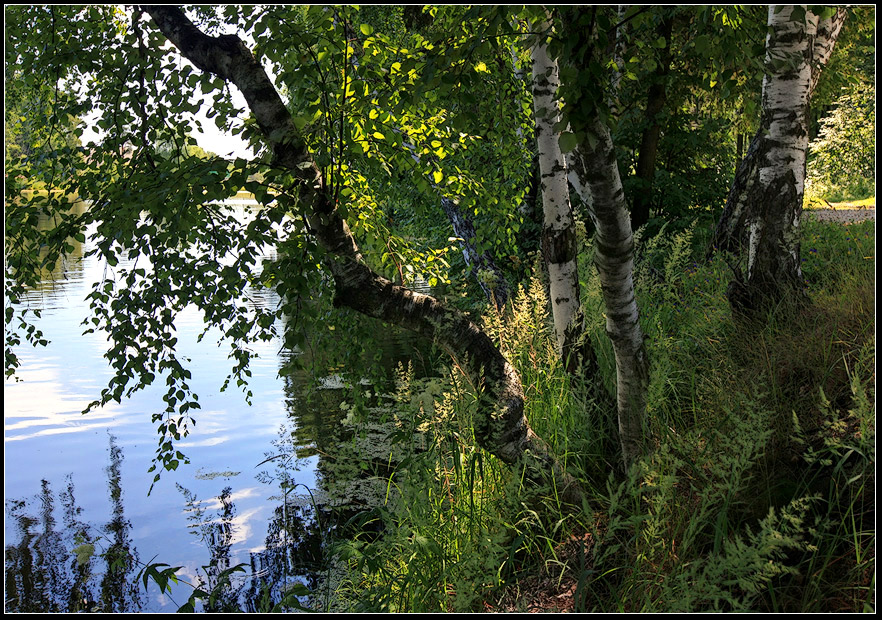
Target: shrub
column 842, row 160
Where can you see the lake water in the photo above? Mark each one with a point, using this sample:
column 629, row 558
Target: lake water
column 79, row 524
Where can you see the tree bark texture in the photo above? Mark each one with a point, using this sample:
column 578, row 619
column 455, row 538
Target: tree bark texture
column 559, row 245
column 594, row 174
column 825, row 40
column 733, row 229
column 482, row 265
column 648, row 154
column 769, row 185
column 500, row 425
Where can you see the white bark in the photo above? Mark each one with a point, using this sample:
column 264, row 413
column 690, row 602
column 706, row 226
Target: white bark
column 771, row 181
column 733, row 229
column 486, row 273
column 786, row 94
column 500, row 424
column 825, row 39
column 785, row 101
column 594, row 174
column 558, row 237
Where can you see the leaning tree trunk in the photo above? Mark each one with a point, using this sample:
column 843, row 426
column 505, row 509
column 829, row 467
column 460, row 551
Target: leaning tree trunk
column 481, row 264
column 500, row 425
column 733, row 230
column 774, row 178
column 594, row 175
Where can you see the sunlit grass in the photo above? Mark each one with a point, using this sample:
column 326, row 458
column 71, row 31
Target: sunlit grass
column 866, row 203
column 819, row 203
column 757, row 495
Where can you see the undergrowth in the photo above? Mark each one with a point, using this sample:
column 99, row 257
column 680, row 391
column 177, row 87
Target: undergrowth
column 757, row 493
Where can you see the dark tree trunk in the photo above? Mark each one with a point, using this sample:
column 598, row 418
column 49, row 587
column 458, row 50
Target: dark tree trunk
column 730, row 234
column 648, row 155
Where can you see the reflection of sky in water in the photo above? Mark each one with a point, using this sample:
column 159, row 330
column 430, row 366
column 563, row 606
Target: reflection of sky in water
column 47, row 437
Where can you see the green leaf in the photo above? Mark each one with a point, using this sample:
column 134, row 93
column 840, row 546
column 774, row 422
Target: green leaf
column 367, row 29
column 568, row 141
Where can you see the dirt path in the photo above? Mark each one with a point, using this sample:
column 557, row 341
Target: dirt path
column 844, row 216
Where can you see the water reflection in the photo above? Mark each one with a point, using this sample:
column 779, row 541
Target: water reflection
column 50, row 289
column 217, row 534
column 118, row 591
column 76, row 566
column 58, row 569
column 315, row 475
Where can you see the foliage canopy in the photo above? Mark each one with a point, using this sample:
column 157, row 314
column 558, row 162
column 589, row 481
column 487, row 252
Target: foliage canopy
column 398, row 108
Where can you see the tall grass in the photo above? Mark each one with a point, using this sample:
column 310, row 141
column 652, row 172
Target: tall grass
column 757, row 494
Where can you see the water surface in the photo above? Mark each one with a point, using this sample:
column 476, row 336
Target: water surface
column 79, row 523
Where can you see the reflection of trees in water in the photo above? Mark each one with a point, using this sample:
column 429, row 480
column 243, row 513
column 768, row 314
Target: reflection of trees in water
column 36, row 575
column 58, row 567
column 53, row 569
column 293, row 545
column 217, row 534
column 293, row 554
column 118, row 593
column 70, row 264
column 74, row 566
column 300, row 531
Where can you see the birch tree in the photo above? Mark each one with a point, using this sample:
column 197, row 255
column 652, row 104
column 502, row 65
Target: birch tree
column 594, row 174
column 559, row 246
column 166, row 212
column 766, row 198
column 791, row 66
column 500, row 427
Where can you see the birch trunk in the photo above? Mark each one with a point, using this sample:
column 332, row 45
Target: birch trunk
column 481, row 264
column 594, row 174
column 484, row 269
column 732, row 232
column 500, row 425
column 559, row 247
column 774, row 175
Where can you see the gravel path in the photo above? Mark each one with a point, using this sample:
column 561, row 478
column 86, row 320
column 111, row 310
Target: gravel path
column 845, row 216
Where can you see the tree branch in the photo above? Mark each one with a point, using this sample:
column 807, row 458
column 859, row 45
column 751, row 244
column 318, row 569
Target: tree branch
column 500, row 425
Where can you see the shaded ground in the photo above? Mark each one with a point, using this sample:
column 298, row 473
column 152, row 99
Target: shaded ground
column 555, row 591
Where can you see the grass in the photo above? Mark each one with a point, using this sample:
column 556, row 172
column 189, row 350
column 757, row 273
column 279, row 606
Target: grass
column 757, row 496
column 820, row 203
